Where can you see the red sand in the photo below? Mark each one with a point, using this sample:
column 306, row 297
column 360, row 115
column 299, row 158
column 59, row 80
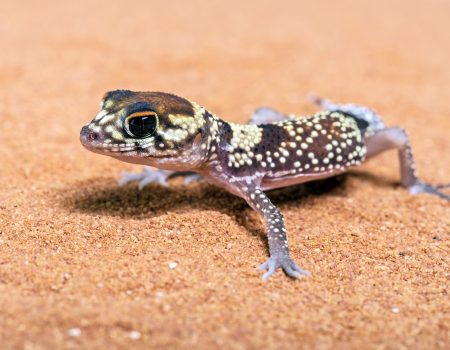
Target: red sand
column 83, row 263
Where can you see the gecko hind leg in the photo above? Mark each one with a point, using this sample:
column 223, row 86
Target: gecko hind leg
column 359, row 111
column 158, row 176
column 265, row 115
column 397, row 138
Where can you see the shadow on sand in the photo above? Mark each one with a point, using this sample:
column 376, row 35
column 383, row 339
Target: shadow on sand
column 96, row 197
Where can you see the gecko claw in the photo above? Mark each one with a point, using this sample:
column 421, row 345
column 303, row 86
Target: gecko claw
column 286, row 263
column 440, row 187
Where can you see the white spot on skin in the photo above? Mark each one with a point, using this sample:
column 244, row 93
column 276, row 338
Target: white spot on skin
column 106, row 119
column 117, row 135
column 172, row 265
column 100, row 115
column 95, row 128
column 109, row 129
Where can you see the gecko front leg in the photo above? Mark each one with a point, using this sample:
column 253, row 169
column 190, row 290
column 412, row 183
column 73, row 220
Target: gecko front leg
column 276, row 235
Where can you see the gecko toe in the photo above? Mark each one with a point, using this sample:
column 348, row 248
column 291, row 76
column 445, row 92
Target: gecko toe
column 188, row 179
column 286, row 263
column 292, row 269
column 423, row 187
column 270, row 270
column 158, row 176
column 126, row 178
column 300, row 270
column 270, row 265
column 291, row 272
column 147, row 176
column 263, row 266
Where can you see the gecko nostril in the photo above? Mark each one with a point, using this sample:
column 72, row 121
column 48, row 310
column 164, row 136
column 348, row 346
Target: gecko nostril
column 88, row 135
column 92, row 136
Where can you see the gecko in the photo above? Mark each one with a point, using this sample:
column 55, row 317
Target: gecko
column 273, row 150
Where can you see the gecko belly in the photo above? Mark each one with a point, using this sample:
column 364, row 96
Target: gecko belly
column 274, row 183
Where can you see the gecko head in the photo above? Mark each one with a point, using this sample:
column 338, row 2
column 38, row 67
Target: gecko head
column 152, row 128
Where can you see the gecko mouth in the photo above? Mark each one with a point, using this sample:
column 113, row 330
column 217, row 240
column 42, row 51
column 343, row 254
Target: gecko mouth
column 96, row 142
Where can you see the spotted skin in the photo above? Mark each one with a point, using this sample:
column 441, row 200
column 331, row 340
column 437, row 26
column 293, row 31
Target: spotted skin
column 314, row 145
column 274, row 150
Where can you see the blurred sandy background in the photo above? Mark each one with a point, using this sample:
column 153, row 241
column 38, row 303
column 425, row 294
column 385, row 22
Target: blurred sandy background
column 84, row 264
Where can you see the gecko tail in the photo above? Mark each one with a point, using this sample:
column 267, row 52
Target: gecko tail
column 366, row 116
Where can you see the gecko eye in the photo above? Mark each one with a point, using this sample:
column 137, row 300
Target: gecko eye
column 141, row 124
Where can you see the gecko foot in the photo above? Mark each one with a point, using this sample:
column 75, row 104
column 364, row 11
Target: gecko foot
column 286, row 263
column 423, row 187
column 146, row 177
column 158, row 176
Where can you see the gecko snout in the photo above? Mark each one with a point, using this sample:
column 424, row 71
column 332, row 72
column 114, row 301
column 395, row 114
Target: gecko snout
column 89, row 137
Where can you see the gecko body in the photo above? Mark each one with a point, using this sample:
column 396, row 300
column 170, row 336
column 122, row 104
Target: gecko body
column 272, row 151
